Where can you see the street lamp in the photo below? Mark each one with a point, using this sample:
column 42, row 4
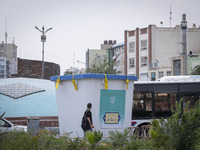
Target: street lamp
column 43, row 39
column 80, row 62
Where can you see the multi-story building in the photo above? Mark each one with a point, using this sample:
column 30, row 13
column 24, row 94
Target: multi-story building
column 154, row 52
column 9, row 51
column 108, row 44
column 98, row 56
column 3, row 67
column 118, row 58
column 94, row 57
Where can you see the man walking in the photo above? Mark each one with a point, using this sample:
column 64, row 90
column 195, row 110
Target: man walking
column 88, row 115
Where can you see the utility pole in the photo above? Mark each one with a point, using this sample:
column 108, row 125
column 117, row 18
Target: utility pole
column 43, row 39
column 184, row 42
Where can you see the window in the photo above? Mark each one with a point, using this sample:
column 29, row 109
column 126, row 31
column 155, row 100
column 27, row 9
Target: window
column 143, row 61
column 162, row 102
column 143, row 44
column 131, row 46
column 160, row 74
column 153, row 76
column 131, row 62
column 168, row 73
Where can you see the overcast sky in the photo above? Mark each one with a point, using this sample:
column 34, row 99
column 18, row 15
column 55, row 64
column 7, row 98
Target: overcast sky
column 82, row 24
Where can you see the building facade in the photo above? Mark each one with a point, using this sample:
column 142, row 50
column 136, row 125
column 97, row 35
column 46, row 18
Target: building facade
column 33, row 69
column 98, row 56
column 154, row 52
column 118, row 58
column 94, row 57
column 108, row 44
column 8, row 52
column 3, row 67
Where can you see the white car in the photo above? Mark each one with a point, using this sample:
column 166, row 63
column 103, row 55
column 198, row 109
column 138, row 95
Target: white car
column 7, row 126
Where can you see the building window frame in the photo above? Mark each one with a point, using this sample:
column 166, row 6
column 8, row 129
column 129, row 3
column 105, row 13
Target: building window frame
column 143, row 61
column 169, row 73
column 153, row 76
column 161, row 74
column 132, row 62
column 143, row 45
column 131, row 46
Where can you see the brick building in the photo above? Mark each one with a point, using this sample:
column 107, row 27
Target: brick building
column 33, row 69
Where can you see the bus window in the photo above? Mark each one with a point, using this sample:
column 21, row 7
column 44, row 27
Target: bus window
column 138, row 105
column 173, row 99
column 186, row 99
column 149, row 105
column 142, row 105
column 162, row 105
column 161, row 102
column 137, row 96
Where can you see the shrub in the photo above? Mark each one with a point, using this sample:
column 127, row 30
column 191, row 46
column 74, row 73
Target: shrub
column 118, row 139
column 180, row 131
column 94, row 138
column 18, row 140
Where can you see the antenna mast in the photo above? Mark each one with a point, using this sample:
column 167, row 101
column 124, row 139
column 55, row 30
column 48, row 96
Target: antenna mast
column 170, row 16
column 6, row 34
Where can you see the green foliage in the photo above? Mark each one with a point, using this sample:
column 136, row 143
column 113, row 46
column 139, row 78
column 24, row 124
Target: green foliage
column 68, row 72
column 135, row 144
column 158, row 133
column 180, row 131
column 94, row 138
column 74, row 144
column 102, row 68
column 118, row 139
column 18, row 140
column 44, row 140
column 196, row 70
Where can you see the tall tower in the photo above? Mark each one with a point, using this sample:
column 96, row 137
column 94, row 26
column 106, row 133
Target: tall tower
column 6, row 34
column 170, row 16
column 184, row 42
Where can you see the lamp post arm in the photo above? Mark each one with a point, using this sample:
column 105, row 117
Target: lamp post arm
column 47, row 30
column 38, row 29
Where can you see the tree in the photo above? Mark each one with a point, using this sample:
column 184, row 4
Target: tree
column 68, row 72
column 196, row 70
column 104, row 68
column 180, row 131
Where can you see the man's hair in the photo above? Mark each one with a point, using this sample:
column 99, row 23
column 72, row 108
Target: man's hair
column 89, row 105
